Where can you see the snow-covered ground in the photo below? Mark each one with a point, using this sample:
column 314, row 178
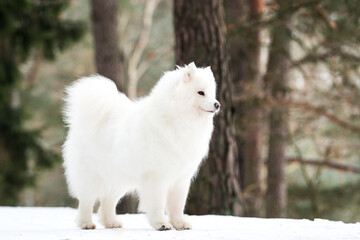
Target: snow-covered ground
column 58, row 224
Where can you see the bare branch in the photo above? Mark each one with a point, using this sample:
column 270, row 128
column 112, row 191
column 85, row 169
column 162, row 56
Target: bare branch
column 140, row 47
column 269, row 101
column 313, row 58
column 34, row 70
column 324, row 113
column 269, row 21
column 143, row 66
column 325, row 163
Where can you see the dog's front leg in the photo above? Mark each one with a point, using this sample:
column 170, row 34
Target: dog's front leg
column 153, row 200
column 176, row 203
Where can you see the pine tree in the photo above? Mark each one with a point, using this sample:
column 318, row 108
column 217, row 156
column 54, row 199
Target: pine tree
column 248, row 84
column 200, row 36
column 25, row 25
column 104, row 20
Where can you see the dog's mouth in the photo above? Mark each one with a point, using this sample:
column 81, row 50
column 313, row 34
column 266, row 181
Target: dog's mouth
column 208, row 111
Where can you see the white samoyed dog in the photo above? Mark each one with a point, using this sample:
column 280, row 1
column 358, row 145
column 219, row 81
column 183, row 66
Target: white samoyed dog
column 153, row 146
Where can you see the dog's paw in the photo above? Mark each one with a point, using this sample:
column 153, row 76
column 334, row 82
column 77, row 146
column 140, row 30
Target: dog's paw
column 181, row 225
column 162, row 226
column 113, row 224
column 87, row 225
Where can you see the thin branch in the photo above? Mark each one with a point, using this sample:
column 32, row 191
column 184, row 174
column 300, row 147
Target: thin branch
column 34, row 70
column 269, row 102
column 292, row 9
column 140, row 47
column 322, row 163
column 324, row 113
column 143, row 66
column 325, row 163
column 313, row 58
column 325, row 15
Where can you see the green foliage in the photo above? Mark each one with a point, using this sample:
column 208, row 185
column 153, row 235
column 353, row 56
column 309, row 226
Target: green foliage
column 26, row 25
column 325, row 73
column 334, row 24
column 327, row 34
column 37, row 24
column 329, row 203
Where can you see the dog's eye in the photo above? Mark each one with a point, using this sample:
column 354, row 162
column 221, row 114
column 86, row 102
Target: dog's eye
column 201, row 93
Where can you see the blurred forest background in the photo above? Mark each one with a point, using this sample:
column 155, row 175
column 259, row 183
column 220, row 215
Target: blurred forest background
column 287, row 141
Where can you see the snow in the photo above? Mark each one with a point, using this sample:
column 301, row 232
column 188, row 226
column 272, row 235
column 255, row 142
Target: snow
column 58, row 224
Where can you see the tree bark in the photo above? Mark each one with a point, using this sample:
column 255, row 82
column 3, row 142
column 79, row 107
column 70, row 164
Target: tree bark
column 107, row 54
column 248, row 85
column 237, row 15
column 200, row 37
column 253, row 117
column 108, row 60
column 277, row 78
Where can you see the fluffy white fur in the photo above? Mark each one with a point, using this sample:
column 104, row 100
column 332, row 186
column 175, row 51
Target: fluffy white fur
column 153, row 145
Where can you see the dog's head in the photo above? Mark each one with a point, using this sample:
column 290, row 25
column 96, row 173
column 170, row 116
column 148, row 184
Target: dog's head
column 197, row 90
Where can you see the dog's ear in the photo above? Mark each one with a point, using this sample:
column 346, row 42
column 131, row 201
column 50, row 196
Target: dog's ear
column 190, row 71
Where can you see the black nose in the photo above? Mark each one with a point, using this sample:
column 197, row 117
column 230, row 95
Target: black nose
column 217, row 105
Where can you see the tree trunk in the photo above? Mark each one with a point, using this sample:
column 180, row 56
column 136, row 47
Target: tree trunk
column 107, row 54
column 108, row 61
column 236, row 15
column 277, row 79
column 248, row 85
column 253, row 117
column 200, row 37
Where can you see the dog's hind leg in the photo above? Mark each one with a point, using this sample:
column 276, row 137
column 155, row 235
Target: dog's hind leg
column 107, row 211
column 85, row 213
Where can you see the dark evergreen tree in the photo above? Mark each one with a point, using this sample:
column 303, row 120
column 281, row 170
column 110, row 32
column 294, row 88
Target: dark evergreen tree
column 108, row 61
column 25, row 25
column 245, row 64
column 107, row 53
column 200, row 36
column 327, row 32
column 277, row 78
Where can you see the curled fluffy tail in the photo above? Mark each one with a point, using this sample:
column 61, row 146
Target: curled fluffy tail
column 90, row 101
